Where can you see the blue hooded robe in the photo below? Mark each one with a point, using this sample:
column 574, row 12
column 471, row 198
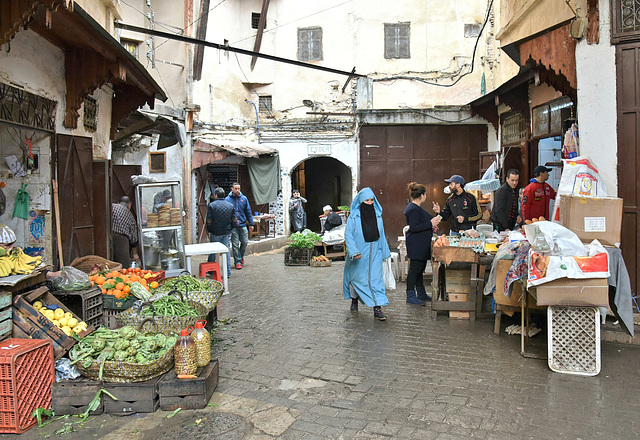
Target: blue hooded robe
column 365, row 274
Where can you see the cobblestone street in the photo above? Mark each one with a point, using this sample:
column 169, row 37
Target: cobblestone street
column 295, row 363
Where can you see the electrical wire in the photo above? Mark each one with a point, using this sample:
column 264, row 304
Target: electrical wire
column 166, row 26
column 165, row 87
column 473, row 57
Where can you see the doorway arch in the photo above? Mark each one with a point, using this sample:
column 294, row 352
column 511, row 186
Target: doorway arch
column 322, row 181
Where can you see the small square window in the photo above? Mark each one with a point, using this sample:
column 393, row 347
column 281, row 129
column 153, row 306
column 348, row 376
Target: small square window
column 310, row 44
column 90, row 113
column 264, row 103
column 131, row 46
column 396, row 40
column 472, row 30
column 157, row 162
column 255, row 20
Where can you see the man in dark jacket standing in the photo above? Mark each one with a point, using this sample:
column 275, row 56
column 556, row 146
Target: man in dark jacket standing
column 505, row 206
column 462, row 206
column 220, row 220
column 242, row 225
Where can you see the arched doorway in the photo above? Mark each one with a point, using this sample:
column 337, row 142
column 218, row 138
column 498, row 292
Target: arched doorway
column 322, row 181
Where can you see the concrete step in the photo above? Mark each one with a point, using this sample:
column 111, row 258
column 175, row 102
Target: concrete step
column 265, row 244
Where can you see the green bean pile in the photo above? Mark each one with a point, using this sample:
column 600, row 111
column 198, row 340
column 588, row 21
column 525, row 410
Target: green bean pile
column 186, row 283
column 170, row 306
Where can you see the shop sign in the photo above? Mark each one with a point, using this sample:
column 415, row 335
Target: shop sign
column 318, row 150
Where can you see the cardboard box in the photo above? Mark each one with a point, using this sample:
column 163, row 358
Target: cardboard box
column 592, row 218
column 591, row 292
column 458, row 281
column 516, row 291
column 458, row 297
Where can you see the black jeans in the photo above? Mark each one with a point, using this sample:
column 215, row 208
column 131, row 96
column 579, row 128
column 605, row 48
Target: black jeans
column 414, row 277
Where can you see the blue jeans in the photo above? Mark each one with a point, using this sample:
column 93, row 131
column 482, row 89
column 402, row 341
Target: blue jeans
column 225, row 240
column 239, row 240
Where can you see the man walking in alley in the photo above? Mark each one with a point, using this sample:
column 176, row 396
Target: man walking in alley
column 461, row 206
column 124, row 232
column 220, row 220
column 242, row 225
column 505, row 208
column 537, row 195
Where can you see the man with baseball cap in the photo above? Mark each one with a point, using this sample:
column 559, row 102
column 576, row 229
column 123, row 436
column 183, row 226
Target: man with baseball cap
column 461, row 205
column 537, row 195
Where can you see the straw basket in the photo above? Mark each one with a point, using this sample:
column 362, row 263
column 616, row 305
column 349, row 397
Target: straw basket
column 87, row 263
column 167, row 325
column 125, row 372
column 208, row 296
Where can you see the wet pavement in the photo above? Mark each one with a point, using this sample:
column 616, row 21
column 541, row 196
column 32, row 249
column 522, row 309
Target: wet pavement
column 295, row 363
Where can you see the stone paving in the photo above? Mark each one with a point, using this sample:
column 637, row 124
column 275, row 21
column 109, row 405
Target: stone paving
column 295, row 363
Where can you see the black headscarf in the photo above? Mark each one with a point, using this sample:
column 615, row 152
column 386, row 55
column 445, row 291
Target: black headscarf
column 369, row 222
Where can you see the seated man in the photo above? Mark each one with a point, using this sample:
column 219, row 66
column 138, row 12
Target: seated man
column 332, row 219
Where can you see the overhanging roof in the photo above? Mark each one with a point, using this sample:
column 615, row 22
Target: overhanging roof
column 208, row 150
column 140, row 122
column 92, row 56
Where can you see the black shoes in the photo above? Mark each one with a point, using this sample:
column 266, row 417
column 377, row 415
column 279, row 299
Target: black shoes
column 354, row 304
column 422, row 294
column 377, row 313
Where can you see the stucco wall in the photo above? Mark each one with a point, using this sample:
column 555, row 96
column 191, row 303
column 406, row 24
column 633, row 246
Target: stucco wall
column 597, row 112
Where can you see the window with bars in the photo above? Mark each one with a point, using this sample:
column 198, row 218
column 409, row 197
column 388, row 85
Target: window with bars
column 396, row 40
column 264, row 103
column 90, row 113
column 310, row 44
column 472, row 30
column 514, row 128
column 255, row 20
column 625, row 20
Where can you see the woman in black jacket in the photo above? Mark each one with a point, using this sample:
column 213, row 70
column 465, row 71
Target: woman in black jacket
column 421, row 227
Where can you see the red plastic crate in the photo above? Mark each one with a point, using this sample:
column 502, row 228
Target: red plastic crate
column 26, row 375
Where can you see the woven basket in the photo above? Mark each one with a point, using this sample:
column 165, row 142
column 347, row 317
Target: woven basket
column 125, row 372
column 320, row 263
column 87, row 263
column 207, row 297
column 167, row 325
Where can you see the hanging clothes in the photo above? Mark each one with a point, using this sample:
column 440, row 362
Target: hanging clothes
column 21, row 208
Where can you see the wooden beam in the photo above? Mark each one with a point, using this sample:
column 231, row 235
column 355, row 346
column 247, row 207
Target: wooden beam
column 593, row 27
column 201, row 33
column 261, row 26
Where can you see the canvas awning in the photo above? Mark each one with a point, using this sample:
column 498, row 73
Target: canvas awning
column 207, row 151
column 140, row 122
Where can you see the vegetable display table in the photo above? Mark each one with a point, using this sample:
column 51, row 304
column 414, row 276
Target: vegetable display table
column 444, row 256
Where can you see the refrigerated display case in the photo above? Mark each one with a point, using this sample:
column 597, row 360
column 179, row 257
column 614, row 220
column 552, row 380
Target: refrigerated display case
column 159, row 212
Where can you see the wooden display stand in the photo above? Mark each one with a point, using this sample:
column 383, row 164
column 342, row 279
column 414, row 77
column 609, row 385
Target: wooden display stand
column 445, row 255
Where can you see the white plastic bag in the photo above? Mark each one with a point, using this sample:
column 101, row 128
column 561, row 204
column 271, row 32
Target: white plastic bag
column 387, row 272
column 594, row 264
column 579, row 176
column 554, row 239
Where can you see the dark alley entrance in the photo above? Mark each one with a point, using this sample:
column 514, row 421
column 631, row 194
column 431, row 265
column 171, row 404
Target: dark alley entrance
column 322, row 181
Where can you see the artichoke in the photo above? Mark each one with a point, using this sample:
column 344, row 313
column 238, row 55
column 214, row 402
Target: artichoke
column 135, row 343
column 98, row 344
column 128, row 332
column 131, row 351
column 150, row 345
column 140, row 358
column 120, row 355
column 121, row 344
column 160, row 339
column 170, row 342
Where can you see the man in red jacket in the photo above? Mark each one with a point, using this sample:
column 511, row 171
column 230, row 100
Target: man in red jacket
column 537, row 195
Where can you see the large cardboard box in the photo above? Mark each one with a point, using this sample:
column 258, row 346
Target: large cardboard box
column 458, row 280
column 590, row 292
column 515, row 300
column 592, row 218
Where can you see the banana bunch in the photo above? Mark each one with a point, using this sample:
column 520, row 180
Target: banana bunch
column 23, row 264
column 6, row 266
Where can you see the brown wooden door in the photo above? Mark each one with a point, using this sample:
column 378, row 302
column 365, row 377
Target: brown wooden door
column 201, row 207
column 121, row 182
column 391, row 156
column 74, row 168
column 628, row 94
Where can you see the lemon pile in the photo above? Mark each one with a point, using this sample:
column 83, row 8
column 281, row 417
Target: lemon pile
column 63, row 320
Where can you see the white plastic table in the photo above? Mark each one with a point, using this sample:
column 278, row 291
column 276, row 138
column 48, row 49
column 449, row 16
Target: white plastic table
column 210, row 248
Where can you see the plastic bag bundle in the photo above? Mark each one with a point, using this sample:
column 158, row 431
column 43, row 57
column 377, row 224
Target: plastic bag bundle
column 552, row 238
column 581, row 177
column 71, row 279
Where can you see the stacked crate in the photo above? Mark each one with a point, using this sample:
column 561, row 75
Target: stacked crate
column 85, row 303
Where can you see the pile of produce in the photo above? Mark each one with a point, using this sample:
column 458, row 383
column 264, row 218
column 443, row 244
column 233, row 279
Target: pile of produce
column 125, row 282
column 534, row 220
column 304, row 241
column 185, row 284
column 63, row 320
column 320, row 258
column 170, row 306
column 471, row 233
column 16, row 262
column 125, row 344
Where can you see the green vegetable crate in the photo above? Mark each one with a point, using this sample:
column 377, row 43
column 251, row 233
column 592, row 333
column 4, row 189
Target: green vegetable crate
column 297, row 257
column 110, row 302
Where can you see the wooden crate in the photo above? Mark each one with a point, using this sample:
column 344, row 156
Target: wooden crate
column 137, row 397
column 188, row 393
column 29, row 323
column 6, row 321
column 458, row 297
column 73, row 396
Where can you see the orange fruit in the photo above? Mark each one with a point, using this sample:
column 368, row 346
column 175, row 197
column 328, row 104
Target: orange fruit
column 154, row 284
column 120, row 286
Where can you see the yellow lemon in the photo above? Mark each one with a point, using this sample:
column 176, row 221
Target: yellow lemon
column 67, row 330
column 58, row 313
column 72, row 322
column 48, row 313
column 68, row 315
column 37, row 305
column 56, row 323
column 63, row 321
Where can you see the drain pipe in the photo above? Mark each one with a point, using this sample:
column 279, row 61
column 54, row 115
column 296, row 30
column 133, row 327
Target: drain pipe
column 257, row 116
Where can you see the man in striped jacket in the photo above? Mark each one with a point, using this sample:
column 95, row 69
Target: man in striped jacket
column 462, row 206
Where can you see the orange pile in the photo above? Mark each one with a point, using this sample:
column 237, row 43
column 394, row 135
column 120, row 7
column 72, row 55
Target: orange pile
column 118, row 283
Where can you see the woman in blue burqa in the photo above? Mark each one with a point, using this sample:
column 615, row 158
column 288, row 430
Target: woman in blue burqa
column 366, row 248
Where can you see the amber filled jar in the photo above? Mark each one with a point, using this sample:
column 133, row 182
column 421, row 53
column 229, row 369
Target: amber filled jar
column 203, row 344
column 184, row 353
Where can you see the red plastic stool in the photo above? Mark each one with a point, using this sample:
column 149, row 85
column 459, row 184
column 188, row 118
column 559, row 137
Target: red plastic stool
column 210, row 268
